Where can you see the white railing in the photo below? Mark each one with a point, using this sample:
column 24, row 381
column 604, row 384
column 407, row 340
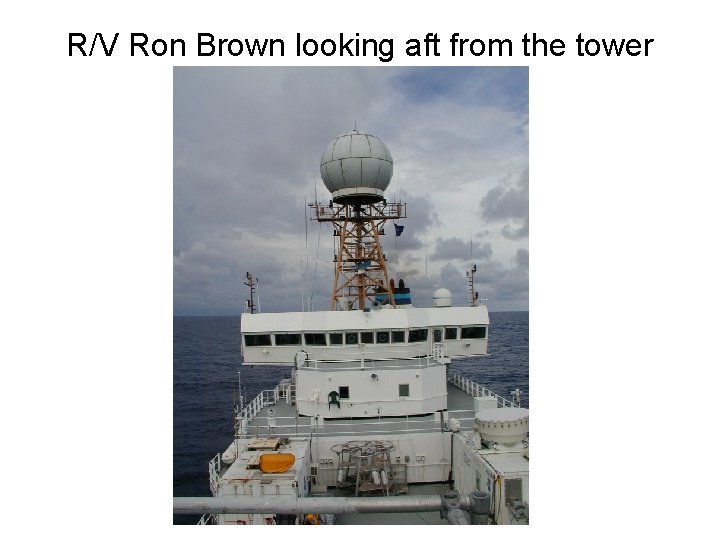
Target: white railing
column 263, row 399
column 476, row 390
column 271, row 397
column 368, row 359
column 214, row 467
column 207, row 519
column 285, row 426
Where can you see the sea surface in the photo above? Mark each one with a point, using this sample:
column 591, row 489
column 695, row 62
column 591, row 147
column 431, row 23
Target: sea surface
column 206, row 362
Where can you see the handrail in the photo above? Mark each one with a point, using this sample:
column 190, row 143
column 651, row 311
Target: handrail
column 251, row 410
column 214, row 467
column 207, row 519
column 474, row 389
column 362, row 355
column 271, row 397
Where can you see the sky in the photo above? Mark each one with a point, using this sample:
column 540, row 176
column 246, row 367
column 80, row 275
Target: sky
column 247, row 148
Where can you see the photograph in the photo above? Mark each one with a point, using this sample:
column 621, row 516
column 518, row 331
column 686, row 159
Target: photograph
column 350, row 295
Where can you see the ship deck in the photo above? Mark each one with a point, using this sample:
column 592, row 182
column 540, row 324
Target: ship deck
column 281, row 419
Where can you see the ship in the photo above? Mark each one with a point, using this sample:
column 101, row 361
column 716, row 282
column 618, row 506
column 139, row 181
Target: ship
column 371, row 425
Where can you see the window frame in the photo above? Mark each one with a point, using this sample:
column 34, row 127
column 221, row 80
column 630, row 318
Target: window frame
column 394, row 334
column 285, row 334
column 316, row 334
column 465, row 330
column 254, row 336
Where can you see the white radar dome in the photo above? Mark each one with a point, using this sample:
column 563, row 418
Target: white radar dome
column 356, row 166
column 442, row 298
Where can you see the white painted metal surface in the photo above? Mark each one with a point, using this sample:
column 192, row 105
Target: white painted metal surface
column 328, row 322
column 356, row 161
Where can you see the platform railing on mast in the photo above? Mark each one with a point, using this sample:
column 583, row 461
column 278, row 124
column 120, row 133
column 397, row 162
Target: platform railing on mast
column 360, row 264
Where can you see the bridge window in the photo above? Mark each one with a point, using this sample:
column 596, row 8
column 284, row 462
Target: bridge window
column 336, row 339
column 315, row 339
column 257, row 340
column 419, row 334
column 382, row 336
column 287, row 339
column 351, row 338
column 404, row 390
column 367, row 337
column 473, row 332
column 451, row 333
column 344, row 392
column 398, row 336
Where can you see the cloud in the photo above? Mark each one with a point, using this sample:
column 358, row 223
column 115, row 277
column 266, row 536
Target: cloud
column 455, row 248
column 247, row 147
column 509, row 203
column 516, row 233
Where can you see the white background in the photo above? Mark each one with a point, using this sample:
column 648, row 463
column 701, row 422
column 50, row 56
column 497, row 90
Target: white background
column 623, row 285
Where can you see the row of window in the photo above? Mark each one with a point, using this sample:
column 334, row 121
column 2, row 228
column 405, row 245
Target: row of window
column 353, row 338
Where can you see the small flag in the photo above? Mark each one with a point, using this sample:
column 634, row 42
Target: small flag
column 398, row 229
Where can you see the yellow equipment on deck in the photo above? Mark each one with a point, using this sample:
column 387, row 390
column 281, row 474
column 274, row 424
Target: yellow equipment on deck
column 276, row 463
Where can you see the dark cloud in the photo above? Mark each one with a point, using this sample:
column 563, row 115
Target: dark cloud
column 421, row 219
column 516, row 233
column 505, row 288
column 455, row 248
column 509, row 203
column 522, row 258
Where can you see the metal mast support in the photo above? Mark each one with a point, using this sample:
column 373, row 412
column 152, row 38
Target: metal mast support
column 471, row 285
column 252, row 281
column 360, row 264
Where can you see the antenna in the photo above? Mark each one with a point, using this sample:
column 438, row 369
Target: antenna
column 471, row 246
column 252, row 281
column 307, row 259
column 471, row 285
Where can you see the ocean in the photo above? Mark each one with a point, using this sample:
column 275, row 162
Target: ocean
column 206, row 361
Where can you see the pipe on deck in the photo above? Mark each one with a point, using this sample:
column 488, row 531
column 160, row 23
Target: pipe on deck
column 313, row 505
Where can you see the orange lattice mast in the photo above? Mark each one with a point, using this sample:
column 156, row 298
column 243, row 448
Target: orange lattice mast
column 356, row 168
